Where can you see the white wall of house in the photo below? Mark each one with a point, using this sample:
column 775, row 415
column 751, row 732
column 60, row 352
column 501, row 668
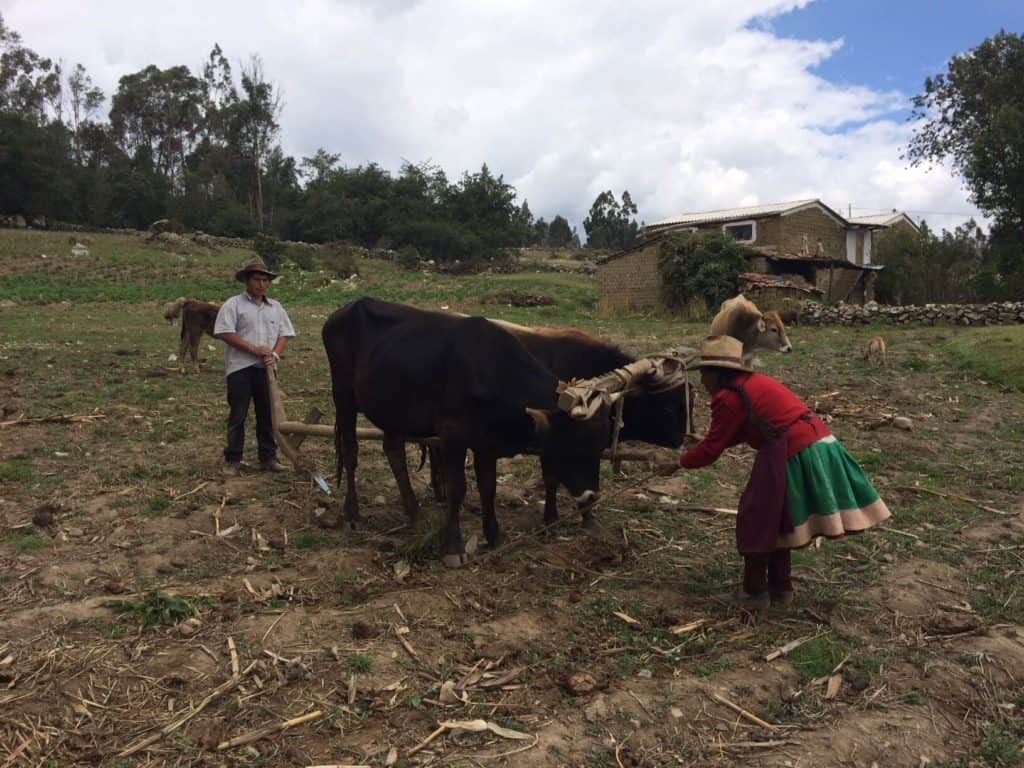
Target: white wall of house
column 851, row 246
column 867, row 246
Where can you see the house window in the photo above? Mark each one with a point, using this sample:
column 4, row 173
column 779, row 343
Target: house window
column 742, row 231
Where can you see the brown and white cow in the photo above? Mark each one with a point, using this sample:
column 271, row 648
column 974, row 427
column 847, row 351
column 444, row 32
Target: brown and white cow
column 741, row 319
column 197, row 318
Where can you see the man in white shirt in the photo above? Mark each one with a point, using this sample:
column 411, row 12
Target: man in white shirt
column 255, row 330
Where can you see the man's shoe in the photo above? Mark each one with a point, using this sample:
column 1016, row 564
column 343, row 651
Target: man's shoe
column 273, row 465
column 782, row 599
column 232, row 469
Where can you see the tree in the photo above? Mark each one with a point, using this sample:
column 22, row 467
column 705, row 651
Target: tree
column 156, row 116
column 35, row 172
column 559, row 232
column 28, row 81
column 84, row 100
column 524, row 222
column 319, row 168
column 922, row 267
column 484, row 205
column 610, row 223
column 973, row 115
column 259, row 113
column 698, row 266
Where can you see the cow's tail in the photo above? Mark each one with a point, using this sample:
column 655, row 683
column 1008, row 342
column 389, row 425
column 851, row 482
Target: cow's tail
column 173, row 309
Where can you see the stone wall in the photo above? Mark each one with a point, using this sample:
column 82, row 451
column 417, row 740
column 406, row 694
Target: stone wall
column 1001, row 313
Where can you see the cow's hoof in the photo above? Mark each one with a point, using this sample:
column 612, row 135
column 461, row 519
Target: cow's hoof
column 459, row 560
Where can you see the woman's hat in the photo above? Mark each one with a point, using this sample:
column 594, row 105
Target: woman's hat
column 253, row 266
column 722, row 352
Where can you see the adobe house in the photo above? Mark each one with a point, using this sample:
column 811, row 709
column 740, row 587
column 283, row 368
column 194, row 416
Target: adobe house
column 810, row 246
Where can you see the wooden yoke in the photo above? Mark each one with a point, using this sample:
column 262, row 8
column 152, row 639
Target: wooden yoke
column 658, row 372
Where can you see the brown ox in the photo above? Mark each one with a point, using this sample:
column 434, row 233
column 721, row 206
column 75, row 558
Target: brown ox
column 742, row 320
column 197, row 318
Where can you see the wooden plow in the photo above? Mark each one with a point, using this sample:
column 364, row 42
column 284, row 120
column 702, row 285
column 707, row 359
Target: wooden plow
column 581, row 399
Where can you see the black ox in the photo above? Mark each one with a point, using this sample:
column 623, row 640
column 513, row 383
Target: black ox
column 417, row 374
column 657, row 418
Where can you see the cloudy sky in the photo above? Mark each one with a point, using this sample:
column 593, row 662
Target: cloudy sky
column 688, row 105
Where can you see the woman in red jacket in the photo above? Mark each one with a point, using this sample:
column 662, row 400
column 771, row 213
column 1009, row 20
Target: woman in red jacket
column 803, row 483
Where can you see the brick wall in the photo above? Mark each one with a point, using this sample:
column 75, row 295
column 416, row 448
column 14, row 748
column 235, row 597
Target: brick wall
column 631, row 281
column 817, row 225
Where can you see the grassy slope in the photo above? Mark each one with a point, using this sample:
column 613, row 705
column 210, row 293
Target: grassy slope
column 995, row 354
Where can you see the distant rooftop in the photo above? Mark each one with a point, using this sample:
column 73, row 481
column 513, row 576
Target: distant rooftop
column 881, row 219
column 734, row 214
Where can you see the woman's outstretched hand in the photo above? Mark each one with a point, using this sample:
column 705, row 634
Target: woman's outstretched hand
column 666, row 469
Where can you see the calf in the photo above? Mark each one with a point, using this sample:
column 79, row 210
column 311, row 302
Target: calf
column 416, row 374
column 742, row 320
column 197, row 318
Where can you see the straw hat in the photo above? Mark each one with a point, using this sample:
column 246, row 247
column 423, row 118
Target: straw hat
column 722, row 352
column 253, row 266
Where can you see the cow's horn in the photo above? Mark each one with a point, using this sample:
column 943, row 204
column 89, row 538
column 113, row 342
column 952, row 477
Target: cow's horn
column 540, row 420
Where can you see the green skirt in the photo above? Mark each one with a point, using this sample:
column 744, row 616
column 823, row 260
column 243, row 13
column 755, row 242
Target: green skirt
column 828, row 495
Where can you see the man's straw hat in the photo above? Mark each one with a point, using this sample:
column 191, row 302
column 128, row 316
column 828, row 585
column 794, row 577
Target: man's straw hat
column 253, row 266
column 721, row 352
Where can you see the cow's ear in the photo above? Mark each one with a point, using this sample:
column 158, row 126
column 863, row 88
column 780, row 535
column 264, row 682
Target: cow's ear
column 541, row 424
column 762, row 326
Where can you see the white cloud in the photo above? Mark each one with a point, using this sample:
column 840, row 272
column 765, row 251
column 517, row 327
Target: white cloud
column 690, row 106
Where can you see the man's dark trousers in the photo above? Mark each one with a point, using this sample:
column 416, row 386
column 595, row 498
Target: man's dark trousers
column 249, row 383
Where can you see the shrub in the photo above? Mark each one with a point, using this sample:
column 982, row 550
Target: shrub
column 301, row 255
column 269, row 249
column 698, row 266
column 339, row 259
column 233, row 221
column 408, row 257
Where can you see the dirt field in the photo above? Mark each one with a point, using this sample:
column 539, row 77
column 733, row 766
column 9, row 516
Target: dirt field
column 607, row 648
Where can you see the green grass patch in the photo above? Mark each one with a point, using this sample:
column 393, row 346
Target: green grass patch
column 26, row 541
column 308, row 540
column 106, row 628
column 155, row 609
column 1000, row 748
column 16, row 471
column 995, row 354
column 154, row 507
column 359, row 664
column 818, row 657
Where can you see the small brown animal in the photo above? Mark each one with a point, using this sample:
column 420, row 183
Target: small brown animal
column 741, row 319
column 197, row 318
column 875, row 351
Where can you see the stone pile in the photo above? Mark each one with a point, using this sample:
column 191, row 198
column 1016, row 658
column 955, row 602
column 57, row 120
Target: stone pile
column 997, row 313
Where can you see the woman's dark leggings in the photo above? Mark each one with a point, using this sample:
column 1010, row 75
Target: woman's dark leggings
column 770, row 571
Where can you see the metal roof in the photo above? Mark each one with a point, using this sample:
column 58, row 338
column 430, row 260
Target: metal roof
column 881, row 219
column 734, row 214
